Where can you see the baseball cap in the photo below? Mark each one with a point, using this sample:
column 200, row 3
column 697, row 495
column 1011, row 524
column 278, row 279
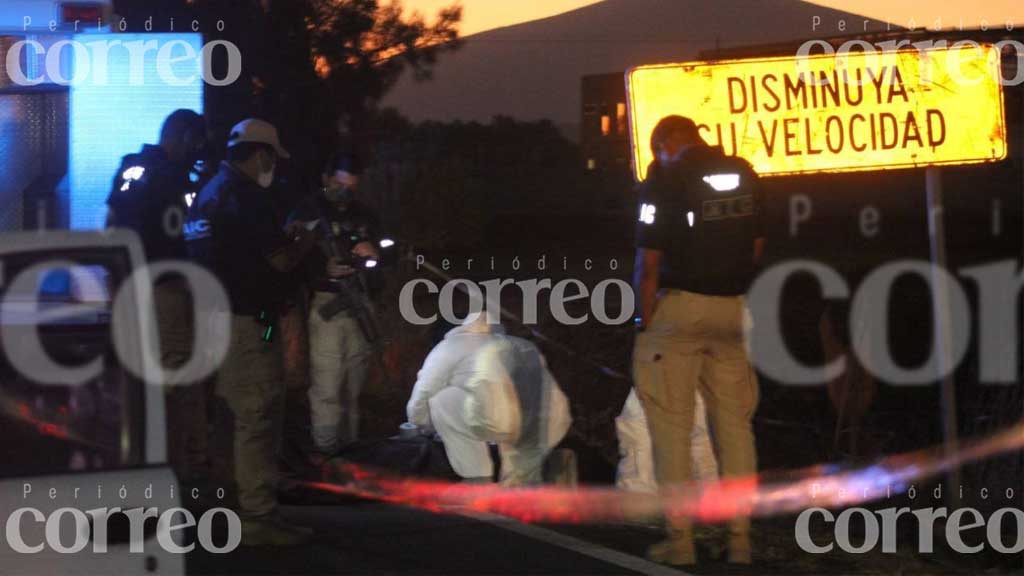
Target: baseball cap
column 258, row 132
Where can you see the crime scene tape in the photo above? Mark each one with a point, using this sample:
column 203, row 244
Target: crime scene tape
column 824, row 485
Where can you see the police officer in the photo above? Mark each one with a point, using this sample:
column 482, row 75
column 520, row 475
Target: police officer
column 699, row 241
column 150, row 195
column 233, row 231
column 341, row 323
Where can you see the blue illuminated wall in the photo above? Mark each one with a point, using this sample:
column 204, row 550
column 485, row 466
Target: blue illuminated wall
column 111, row 120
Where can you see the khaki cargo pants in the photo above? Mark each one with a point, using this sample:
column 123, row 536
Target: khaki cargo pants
column 339, row 362
column 696, row 342
column 250, row 383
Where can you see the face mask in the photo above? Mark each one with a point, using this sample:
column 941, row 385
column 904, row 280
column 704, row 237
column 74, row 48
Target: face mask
column 340, row 195
column 666, row 159
column 266, row 179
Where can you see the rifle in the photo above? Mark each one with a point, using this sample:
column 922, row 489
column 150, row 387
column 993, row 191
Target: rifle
column 352, row 294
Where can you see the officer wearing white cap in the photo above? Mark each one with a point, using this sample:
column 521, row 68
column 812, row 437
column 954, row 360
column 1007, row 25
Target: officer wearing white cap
column 232, row 229
column 699, row 239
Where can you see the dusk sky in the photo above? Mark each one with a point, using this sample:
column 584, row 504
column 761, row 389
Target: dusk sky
column 483, row 15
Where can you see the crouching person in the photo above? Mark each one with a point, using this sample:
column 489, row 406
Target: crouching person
column 481, row 386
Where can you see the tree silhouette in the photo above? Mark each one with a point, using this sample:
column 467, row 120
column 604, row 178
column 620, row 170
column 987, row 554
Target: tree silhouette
column 360, row 49
column 316, row 68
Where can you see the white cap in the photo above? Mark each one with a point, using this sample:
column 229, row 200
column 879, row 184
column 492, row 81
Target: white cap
column 258, row 132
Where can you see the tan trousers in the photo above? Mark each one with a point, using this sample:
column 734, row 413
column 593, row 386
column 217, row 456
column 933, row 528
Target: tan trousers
column 251, row 384
column 339, row 358
column 187, row 445
column 696, row 342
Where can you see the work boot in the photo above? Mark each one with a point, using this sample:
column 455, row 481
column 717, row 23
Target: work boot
column 268, row 531
column 673, row 551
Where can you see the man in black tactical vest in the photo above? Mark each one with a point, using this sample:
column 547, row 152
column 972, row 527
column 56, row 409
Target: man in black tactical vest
column 150, row 195
column 698, row 243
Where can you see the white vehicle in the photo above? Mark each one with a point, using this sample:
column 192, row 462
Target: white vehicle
column 80, row 448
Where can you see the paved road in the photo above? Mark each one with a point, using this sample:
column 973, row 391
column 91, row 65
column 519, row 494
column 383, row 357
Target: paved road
column 376, row 538
column 366, row 537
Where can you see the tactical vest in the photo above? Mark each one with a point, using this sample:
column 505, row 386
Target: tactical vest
column 716, row 222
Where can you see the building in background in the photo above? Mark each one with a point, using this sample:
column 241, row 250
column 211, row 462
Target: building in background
column 604, row 125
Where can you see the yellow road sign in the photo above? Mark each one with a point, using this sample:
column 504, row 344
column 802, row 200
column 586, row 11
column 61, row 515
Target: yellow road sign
column 832, row 113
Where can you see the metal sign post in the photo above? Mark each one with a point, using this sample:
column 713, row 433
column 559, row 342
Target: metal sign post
column 943, row 344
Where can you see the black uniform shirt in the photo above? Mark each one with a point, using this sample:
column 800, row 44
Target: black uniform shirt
column 149, row 197
column 232, row 229
column 703, row 213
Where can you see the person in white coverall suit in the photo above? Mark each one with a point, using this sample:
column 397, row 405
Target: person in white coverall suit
column 636, row 466
column 481, row 386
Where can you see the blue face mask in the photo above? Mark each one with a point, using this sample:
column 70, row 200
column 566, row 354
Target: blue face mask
column 666, row 159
